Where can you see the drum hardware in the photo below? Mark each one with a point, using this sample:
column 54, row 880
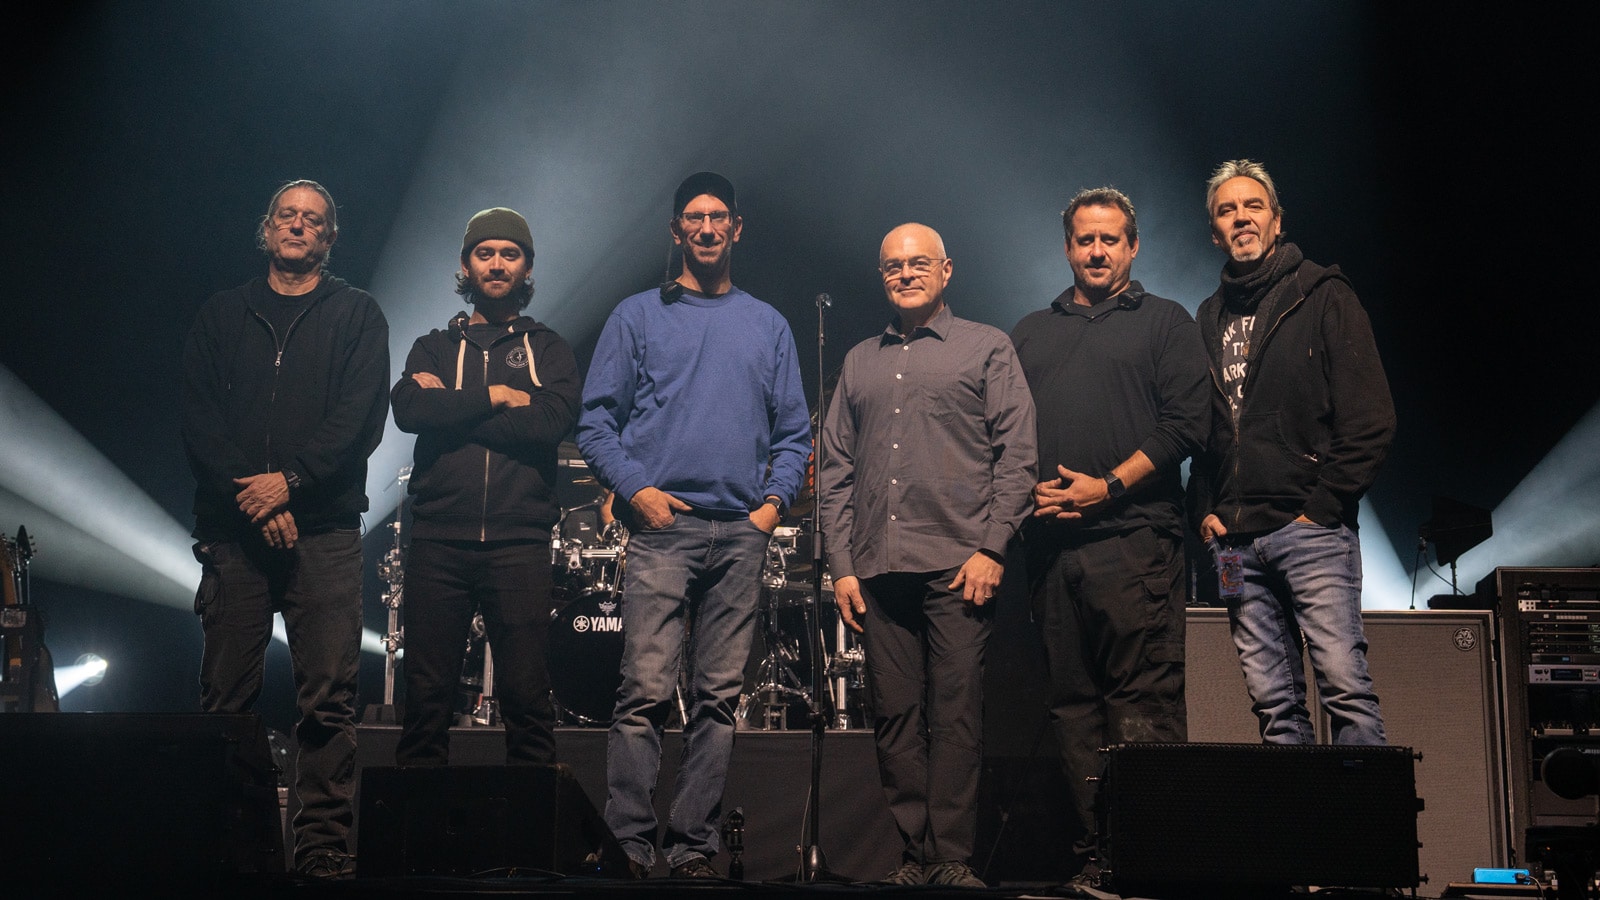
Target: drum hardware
column 845, row 671
column 585, row 653
column 392, row 571
column 487, row 712
column 776, row 684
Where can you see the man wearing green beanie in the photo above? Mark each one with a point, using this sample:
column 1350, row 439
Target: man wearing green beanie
column 490, row 397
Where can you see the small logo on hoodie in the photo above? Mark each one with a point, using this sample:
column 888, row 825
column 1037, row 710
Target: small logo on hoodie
column 517, row 358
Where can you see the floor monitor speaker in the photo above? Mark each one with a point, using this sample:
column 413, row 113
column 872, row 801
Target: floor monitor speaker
column 469, row 821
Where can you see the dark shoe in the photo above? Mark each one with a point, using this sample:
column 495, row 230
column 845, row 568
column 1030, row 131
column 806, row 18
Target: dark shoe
column 1087, row 884
column 321, row 865
column 908, row 873
column 953, row 874
column 696, row 867
column 595, row 865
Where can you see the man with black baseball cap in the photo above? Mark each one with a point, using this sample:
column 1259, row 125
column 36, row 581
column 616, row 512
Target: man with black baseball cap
column 694, row 415
column 490, row 398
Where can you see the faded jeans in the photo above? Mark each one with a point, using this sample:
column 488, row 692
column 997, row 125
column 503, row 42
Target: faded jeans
column 1302, row 591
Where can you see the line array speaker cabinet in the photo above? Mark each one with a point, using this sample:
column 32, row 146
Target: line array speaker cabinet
column 108, row 799
column 476, row 820
column 1193, row 820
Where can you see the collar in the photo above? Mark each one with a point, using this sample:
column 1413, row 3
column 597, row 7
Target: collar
column 1131, row 297
column 937, row 327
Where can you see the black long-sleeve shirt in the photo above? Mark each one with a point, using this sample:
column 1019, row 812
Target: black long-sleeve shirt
column 1126, row 374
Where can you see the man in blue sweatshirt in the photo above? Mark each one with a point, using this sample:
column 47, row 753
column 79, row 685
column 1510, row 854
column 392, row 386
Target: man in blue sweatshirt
column 694, row 415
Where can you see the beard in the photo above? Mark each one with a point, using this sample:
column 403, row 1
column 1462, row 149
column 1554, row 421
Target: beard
column 472, row 289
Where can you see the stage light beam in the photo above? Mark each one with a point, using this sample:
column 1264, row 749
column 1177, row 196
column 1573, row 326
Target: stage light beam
column 89, row 670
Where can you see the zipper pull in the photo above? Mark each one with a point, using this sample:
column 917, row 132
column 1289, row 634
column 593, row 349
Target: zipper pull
column 277, row 361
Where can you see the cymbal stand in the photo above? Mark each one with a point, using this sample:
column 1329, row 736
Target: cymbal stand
column 392, row 569
column 488, row 710
column 846, row 668
column 776, row 684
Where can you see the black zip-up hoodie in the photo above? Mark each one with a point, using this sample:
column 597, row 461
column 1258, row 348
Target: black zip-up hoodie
column 309, row 403
column 1316, row 420
column 482, row 474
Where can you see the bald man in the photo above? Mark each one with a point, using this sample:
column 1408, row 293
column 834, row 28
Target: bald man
column 927, row 471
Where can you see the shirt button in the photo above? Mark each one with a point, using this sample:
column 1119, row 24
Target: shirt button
column 892, row 517
column 898, row 376
column 894, row 481
column 895, row 446
column 897, row 410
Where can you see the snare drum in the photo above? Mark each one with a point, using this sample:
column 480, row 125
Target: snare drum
column 586, row 656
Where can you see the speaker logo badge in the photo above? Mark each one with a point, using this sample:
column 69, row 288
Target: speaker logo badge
column 1465, row 639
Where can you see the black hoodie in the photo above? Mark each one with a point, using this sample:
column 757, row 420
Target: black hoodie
column 1316, row 419
column 483, row 474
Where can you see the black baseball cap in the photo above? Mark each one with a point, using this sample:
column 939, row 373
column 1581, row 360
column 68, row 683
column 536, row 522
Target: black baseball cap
column 704, row 183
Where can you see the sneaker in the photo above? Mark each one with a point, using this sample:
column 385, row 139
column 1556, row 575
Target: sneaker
column 321, row 865
column 908, row 873
column 696, row 867
column 953, row 874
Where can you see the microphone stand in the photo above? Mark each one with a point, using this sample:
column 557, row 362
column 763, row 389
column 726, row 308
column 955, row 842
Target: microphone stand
column 814, row 867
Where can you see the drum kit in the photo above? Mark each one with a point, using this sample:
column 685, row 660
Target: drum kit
column 588, row 558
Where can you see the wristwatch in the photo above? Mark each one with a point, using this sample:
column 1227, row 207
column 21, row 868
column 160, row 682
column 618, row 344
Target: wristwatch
column 776, row 502
column 1114, row 485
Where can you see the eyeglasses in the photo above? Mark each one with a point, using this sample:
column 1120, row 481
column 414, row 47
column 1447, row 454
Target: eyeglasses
column 286, row 215
column 919, row 265
column 718, row 218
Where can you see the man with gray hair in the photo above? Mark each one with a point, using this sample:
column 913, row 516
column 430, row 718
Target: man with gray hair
column 1302, row 420
column 284, row 381
column 489, row 397
column 1119, row 379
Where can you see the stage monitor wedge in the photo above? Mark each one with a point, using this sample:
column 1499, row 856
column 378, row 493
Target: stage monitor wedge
column 476, row 821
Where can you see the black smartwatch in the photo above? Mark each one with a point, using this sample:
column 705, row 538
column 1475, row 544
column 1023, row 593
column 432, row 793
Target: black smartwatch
column 1114, row 486
column 776, row 502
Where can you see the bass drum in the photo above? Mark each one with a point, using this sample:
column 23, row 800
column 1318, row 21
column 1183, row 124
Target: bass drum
column 586, row 657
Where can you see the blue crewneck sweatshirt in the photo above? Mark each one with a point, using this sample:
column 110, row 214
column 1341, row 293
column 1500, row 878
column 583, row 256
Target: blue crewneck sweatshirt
column 695, row 396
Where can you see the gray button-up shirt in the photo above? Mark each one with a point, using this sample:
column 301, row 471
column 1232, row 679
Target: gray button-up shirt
column 928, row 450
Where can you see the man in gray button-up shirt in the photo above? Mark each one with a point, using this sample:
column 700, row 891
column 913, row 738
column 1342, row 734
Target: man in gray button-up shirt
column 928, row 464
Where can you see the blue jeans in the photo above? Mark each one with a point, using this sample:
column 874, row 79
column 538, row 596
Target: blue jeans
column 317, row 587
column 689, row 589
column 1302, row 590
